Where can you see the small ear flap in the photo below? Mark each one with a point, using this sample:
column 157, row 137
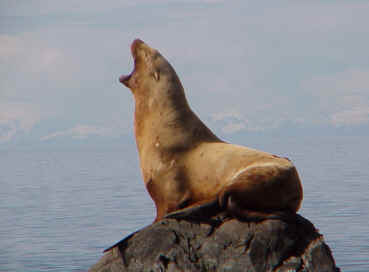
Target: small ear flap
column 156, row 75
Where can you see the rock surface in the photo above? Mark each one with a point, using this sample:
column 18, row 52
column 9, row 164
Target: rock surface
column 230, row 245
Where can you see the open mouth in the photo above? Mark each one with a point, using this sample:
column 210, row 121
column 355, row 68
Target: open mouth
column 125, row 78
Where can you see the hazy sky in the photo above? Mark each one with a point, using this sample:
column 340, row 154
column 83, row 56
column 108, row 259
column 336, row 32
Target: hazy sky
column 245, row 65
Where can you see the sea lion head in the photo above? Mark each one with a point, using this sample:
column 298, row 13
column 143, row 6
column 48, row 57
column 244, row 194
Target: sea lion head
column 152, row 76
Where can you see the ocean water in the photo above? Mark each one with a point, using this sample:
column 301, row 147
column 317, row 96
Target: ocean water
column 60, row 208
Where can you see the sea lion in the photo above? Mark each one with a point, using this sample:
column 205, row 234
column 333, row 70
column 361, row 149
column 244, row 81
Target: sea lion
column 185, row 166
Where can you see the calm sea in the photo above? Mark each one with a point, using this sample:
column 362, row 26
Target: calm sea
column 60, row 208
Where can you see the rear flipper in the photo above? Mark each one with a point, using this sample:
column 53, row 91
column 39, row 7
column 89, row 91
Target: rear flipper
column 248, row 215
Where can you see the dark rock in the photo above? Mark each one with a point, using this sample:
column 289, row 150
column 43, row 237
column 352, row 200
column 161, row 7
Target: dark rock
column 231, row 245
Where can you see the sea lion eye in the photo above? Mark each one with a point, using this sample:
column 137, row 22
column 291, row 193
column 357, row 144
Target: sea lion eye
column 156, row 75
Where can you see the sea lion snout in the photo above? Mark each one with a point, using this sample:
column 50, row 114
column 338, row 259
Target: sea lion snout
column 140, row 50
column 135, row 45
column 143, row 56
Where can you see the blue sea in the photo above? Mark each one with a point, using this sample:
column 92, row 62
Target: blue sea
column 61, row 207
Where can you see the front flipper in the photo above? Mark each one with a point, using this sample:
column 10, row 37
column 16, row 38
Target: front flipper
column 201, row 213
column 124, row 240
column 206, row 212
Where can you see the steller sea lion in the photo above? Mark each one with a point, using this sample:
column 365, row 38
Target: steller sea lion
column 186, row 167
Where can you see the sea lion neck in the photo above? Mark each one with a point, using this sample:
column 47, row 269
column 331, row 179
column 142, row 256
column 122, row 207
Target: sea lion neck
column 168, row 124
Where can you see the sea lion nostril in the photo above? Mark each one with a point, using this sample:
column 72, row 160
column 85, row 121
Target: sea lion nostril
column 135, row 44
column 138, row 41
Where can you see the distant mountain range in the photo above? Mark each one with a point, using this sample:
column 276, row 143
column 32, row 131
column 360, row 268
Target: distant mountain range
column 97, row 138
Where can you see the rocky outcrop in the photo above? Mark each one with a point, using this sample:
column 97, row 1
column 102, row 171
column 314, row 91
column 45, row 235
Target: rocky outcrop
column 221, row 245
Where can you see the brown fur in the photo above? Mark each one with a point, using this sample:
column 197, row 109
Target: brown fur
column 184, row 165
